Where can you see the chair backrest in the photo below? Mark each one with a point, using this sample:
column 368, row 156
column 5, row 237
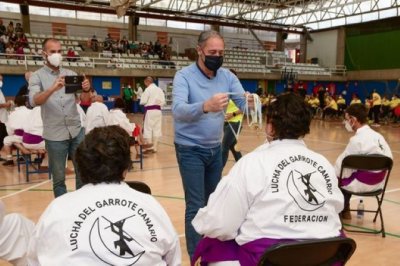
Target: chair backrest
column 368, row 162
column 314, row 252
column 139, row 186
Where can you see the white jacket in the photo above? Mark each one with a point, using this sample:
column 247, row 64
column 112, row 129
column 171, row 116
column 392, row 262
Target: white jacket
column 281, row 190
column 17, row 119
column 364, row 141
column 96, row 116
column 104, row 224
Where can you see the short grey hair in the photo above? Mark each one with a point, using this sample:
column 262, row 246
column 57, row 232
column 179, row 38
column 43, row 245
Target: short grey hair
column 205, row 35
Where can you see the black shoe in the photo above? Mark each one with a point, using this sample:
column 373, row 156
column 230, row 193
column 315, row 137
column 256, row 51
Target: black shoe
column 8, row 163
column 21, row 159
column 2, row 159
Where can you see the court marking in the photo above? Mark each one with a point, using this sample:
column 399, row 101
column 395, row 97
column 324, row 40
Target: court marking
column 25, row 189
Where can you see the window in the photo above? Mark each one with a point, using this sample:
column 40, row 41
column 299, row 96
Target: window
column 38, row 10
column 88, row 15
column 56, row 12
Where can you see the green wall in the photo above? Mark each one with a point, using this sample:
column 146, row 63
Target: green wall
column 373, row 45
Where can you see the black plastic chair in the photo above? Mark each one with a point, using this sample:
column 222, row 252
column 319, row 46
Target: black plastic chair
column 315, row 252
column 369, row 162
column 139, row 186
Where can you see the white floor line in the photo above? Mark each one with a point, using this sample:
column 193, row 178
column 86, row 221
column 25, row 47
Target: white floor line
column 392, row 190
column 25, row 189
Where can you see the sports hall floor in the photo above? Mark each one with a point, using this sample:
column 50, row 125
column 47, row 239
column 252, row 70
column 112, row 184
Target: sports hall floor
column 161, row 173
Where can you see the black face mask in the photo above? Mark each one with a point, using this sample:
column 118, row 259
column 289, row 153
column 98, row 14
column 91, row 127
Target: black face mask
column 213, row 62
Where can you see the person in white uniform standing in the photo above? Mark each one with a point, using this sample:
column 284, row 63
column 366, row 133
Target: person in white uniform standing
column 105, row 222
column 364, row 141
column 153, row 98
column 280, row 192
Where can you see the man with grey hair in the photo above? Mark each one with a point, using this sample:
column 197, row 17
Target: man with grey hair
column 62, row 129
column 200, row 95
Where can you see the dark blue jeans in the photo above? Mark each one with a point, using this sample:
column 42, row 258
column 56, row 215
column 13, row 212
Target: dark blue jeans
column 58, row 152
column 201, row 170
column 229, row 142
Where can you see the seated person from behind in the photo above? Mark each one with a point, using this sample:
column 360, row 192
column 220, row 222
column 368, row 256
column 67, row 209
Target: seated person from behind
column 280, row 192
column 105, row 221
column 96, row 114
column 364, row 141
column 15, row 123
column 119, row 118
column 15, row 233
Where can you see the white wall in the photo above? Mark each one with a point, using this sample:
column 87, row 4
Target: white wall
column 323, row 47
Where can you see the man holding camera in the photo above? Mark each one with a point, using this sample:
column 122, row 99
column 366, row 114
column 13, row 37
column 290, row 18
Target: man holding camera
column 62, row 129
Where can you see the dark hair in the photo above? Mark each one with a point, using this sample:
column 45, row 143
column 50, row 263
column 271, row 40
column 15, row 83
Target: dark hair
column 20, row 100
column 289, row 116
column 359, row 111
column 119, row 103
column 104, row 155
column 48, row 40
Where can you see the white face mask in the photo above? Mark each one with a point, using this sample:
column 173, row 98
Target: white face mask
column 1, row 84
column 55, row 59
column 348, row 126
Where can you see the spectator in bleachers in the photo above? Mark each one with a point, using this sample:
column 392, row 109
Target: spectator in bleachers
column 10, row 51
column 2, row 47
column 22, row 40
column 10, row 29
column 13, row 39
column 18, row 30
column 124, row 45
column 134, row 48
column 108, row 42
column 20, row 52
column 71, row 56
column 144, row 52
column 3, row 29
column 157, row 48
column 94, row 44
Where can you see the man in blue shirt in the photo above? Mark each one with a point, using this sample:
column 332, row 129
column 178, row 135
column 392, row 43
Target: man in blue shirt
column 200, row 94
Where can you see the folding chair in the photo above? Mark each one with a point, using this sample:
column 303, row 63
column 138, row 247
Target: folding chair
column 315, row 252
column 29, row 161
column 139, row 186
column 369, row 162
